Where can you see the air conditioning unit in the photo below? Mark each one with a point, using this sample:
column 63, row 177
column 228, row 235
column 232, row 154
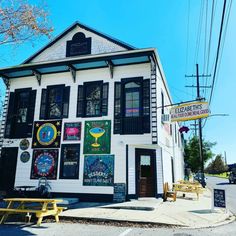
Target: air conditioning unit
column 165, row 118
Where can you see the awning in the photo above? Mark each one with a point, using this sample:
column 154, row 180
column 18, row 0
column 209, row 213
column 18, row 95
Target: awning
column 74, row 64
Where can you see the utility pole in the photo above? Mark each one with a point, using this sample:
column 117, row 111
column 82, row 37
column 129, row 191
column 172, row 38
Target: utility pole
column 200, row 133
column 203, row 182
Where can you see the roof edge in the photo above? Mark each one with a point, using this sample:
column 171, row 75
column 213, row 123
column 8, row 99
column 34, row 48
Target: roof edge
column 74, row 25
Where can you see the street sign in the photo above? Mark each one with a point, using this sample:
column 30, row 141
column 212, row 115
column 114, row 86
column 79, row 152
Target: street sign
column 189, row 111
column 219, row 198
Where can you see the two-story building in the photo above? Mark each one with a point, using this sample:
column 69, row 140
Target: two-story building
column 85, row 112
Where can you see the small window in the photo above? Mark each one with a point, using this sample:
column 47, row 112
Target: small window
column 92, row 99
column 55, row 102
column 22, row 106
column 70, row 161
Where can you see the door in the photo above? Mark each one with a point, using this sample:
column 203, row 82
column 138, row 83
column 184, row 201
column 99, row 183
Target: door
column 8, row 168
column 145, row 169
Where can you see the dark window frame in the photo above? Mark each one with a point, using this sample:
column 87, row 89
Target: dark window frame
column 142, row 121
column 82, row 100
column 44, row 114
column 16, row 129
column 61, row 175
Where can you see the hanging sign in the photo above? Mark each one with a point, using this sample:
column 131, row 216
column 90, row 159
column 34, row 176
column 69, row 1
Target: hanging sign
column 97, row 137
column 98, row 170
column 44, row 164
column 47, row 134
column 189, row 111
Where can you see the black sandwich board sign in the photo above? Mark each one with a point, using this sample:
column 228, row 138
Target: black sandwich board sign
column 119, row 192
column 219, row 198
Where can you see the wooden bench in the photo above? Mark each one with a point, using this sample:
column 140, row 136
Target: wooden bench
column 46, row 207
column 168, row 193
column 188, row 188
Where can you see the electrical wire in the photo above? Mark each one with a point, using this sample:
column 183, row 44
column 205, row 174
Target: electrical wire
column 218, row 50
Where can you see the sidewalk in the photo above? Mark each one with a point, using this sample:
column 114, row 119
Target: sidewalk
column 185, row 212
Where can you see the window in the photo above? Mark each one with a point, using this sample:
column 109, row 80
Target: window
column 132, row 99
column 132, row 106
column 92, row 99
column 20, row 113
column 69, row 168
column 162, row 103
column 55, row 102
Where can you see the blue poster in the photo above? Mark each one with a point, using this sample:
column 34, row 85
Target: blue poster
column 98, row 170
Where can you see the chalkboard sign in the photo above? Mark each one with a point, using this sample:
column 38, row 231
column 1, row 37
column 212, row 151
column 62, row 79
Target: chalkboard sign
column 119, row 192
column 219, row 198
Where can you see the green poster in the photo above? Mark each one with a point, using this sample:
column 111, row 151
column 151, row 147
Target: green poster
column 97, row 137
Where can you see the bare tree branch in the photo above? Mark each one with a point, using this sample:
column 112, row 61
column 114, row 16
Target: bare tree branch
column 21, row 21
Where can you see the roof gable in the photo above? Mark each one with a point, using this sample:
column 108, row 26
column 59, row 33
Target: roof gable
column 57, row 48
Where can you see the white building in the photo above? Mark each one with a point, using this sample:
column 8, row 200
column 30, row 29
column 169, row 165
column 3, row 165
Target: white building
column 85, row 112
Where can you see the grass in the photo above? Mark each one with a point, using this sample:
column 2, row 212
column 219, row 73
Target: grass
column 222, row 175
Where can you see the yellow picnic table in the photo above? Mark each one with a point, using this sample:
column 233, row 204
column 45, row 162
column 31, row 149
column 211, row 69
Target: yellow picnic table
column 188, row 188
column 39, row 206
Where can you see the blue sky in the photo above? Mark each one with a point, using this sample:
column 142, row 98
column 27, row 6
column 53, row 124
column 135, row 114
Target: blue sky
column 163, row 25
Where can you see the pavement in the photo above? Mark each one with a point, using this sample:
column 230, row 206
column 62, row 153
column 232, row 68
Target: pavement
column 184, row 212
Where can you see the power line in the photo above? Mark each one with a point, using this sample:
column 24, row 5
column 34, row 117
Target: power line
column 218, row 50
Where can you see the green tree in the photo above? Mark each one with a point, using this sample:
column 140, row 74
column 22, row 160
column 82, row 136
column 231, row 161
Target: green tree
column 217, row 166
column 192, row 157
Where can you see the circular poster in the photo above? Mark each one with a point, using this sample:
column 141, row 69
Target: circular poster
column 44, row 164
column 46, row 134
column 24, row 157
column 24, row 144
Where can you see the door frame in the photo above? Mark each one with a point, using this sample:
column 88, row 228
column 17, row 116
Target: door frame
column 144, row 151
column 17, row 151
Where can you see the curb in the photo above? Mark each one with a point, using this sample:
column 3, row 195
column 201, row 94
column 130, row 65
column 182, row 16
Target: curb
column 124, row 223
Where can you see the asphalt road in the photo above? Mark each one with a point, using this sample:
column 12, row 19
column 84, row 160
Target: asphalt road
column 76, row 229
column 230, row 191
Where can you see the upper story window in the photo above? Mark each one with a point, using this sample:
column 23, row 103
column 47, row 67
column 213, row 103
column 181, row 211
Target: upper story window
column 132, row 99
column 20, row 115
column 55, row 102
column 132, row 106
column 79, row 45
column 92, row 99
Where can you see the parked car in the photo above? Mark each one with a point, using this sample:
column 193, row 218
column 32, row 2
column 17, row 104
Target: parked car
column 232, row 177
column 199, row 177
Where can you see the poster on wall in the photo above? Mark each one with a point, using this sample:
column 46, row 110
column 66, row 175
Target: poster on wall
column 44, row 164
column 47, row 134
column 97, row 137
column 72, row 131
column 98, row 170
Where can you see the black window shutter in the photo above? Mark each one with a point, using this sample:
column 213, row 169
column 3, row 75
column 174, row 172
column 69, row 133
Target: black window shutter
column 30, row 115
column 80, row 101
column 146, row 106
column 10, row 116
column 66, row 101
column 105, row 99
column 43, row 106
column 117, row 109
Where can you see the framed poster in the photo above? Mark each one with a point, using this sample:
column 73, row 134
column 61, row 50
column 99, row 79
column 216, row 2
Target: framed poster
column 47, row 134
column 97, row 137
column 98, row 170
column 72, row 131
column 44, row 164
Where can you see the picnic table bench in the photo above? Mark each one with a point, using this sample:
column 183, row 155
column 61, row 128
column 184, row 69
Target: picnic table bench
column 38, row 206
column 188, row 187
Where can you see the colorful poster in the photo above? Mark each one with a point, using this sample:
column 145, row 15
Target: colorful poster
column 72, row 131
column 97, row 137
column 98, row 170
column 44, row 164
column 47, row 134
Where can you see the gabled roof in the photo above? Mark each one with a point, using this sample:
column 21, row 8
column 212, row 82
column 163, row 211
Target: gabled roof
column 76, row 24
